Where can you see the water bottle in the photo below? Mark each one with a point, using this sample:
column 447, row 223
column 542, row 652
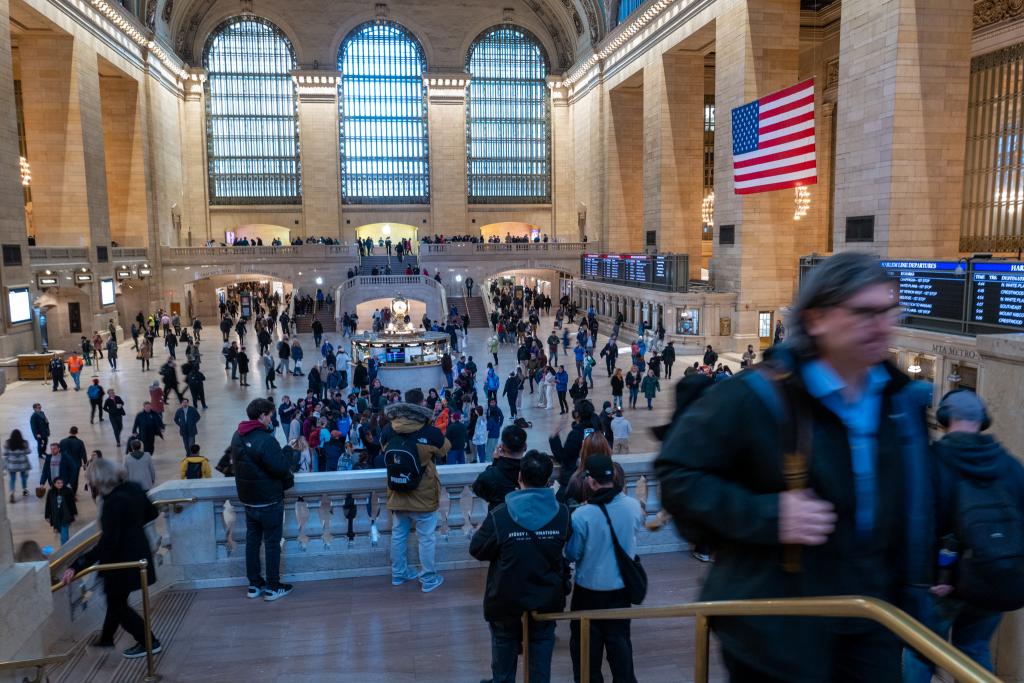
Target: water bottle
column 949, row 552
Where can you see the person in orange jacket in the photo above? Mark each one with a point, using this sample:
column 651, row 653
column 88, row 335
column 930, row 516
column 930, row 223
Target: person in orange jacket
column 75, row 365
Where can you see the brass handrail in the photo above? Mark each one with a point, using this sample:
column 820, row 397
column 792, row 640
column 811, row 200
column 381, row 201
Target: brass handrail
column 911, row 631
column 40, row 663
column 142, row 566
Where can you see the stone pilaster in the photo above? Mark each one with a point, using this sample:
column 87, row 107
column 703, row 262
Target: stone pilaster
column 624, row 150
column 446, row 121
column 125, row 169
column 564, row 226
column 904, row 68
column 756, row 53
column 194, row 164
column 674, row 153
column 319, row 148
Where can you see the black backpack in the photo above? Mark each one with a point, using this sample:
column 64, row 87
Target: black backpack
column 990, row 528
column 402, row 461
column 194, row 470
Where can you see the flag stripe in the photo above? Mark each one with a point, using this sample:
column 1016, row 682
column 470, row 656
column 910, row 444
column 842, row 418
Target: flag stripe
column 777, row 186
column 783, row 160
column 774, row 169
column 774, row 141
column 799, row 103
column 770, row 180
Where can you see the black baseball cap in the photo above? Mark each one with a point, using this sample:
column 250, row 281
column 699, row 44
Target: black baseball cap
column 600, row 468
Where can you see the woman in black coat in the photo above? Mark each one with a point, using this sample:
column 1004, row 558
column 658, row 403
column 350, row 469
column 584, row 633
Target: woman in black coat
column 125, row 512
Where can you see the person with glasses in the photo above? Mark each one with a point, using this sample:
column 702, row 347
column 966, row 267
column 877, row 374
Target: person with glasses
column 809, row 476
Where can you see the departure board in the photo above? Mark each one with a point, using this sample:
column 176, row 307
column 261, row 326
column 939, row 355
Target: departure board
column 655, row 271
column 929, row 289
column 997, row 295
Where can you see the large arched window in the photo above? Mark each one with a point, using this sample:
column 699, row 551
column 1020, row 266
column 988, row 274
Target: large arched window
column 251, row 117
column 507, row 114
column 626, row 7
column 383, row 112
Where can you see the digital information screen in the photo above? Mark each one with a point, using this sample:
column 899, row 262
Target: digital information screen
column 997, row 295
column 642, row 270
column 107, row 292
column 929, row 289
column 19, row 305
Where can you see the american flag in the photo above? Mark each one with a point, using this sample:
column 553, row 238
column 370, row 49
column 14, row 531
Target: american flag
column 773, row 141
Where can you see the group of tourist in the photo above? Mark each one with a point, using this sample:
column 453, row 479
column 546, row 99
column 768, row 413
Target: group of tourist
column 399, row 248
column 478, row 239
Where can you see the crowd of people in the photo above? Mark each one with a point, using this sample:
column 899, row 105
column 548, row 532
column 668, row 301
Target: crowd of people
column 479, row 239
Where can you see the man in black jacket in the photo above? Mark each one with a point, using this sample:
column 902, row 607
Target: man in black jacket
column 113, row 406
column 40, row 428
column 568, row 455
column 196, row 387
column 72, row 448
column 502, row 476
column 262, row 475
column 830, row 518
column 523, row 539
column 147, row 426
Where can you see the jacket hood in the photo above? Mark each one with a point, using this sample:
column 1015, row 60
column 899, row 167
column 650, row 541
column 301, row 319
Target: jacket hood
column 532, row 508
column 137, row 454
column 975, row 455
column 405, row 413
column 246, row 426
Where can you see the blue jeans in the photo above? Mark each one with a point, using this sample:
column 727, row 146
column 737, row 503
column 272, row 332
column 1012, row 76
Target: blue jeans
column 456, row 457
column 65, row 534
column 426, row 525
column 972, row 632
column 481, row 452
column 11, row 476
column 77, row 376
column 507, row 643
column 633, row 393
column 263, row 526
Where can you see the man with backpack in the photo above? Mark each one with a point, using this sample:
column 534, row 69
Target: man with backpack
column 813, row 495
column 411, row 446
column 981, row 498
column 262, row 474
column 523, row 539
column 95, row 394
column 607, row 522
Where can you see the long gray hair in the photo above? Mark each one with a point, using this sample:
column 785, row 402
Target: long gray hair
column 835, row 280
column 105, row 476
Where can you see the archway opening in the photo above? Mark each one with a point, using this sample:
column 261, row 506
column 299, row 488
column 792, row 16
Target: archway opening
column 264, row 232
column 365, row 311
column 396, row 231
column 513, row 229
column 204, row 296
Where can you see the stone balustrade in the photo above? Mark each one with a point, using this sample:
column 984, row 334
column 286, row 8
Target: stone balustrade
column 336, row 524
column 129, row 253
column 471, row 249
column 189, row 255
column 58, row 255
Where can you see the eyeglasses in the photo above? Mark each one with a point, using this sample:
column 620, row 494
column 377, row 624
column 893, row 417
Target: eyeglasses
column 892, row 311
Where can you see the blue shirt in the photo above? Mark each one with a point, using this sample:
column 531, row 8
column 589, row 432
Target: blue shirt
column 861, row 417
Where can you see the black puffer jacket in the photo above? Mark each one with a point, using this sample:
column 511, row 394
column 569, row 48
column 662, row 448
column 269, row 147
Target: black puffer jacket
column 262, row 472
column 125, row 513
column 499, row 479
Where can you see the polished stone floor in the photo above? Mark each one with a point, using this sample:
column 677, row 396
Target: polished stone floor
column 227, row 401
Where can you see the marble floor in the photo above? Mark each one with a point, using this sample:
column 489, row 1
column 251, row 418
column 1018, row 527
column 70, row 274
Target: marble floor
column 227, row 402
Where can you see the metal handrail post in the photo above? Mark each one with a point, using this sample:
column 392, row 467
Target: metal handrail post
column 526, row 647
column 584, row 649
column 151, row 676
column 702, row 650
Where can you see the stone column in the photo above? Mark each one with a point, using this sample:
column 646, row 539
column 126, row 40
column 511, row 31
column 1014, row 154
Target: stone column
column 674, row 153
column 446, row 119
column 125, row 168
column 194, row 165
column 624, row 150
column 904, row 68
column 319, row 147
column 564, row 226
column 756, row 53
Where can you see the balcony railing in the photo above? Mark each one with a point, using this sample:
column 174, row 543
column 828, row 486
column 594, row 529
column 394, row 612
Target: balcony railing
column 129, row 253
column 372, row 280
column 460, row 248
column 44, row 255
column 308, row 251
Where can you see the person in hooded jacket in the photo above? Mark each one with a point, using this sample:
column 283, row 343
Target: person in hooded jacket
column 501, row 477
column 412, row 419
column 963, row 453
column 262, row 474
column 138, row 466
column 523, row 539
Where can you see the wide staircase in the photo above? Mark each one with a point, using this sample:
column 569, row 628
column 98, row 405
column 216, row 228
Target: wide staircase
column 325, row 315
column 379, row 260
column 472, row 306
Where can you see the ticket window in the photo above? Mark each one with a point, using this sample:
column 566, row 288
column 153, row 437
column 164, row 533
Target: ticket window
column 968, row 377
column 688, row 322
column 764, row 328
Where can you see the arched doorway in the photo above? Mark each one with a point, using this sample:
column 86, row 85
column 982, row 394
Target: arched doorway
column 396, row 231
column 262, row 231
column 512, row 229
column 203, row 296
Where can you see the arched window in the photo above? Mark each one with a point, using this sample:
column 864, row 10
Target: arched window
column 626, row 7
column 382, row 104
column 252, row 131
column 507, row 114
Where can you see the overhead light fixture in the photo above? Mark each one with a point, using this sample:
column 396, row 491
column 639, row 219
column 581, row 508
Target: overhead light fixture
column 82, row 278
column 802, row 199
column 44, row 281
column 319, row 280
column 954, row 377
column 915, row 367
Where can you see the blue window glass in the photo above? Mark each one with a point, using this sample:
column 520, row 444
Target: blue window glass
column 251, row 114
column 383, row 113
column 507, row 119
column 627, row 7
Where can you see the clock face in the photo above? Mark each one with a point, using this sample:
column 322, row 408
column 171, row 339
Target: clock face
column 399, row 306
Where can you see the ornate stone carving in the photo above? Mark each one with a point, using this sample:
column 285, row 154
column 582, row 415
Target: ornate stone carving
column 832, row 74
column 991, row 11
column 168, row 9
column 577, row 23
column 593, row 22
column 151, row 14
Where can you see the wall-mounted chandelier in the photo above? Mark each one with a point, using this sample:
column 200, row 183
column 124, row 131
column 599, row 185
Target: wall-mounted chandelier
column 802, row 199
column 707, row 208
column 26, row 173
